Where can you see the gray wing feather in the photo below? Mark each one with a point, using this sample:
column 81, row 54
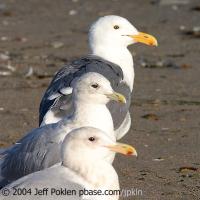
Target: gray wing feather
column 124, row 127
column 39, row 149
column 119, row 111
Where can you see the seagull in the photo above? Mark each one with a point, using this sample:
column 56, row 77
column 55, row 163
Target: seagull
column 109, row 38
column 83, row 167
column 40, row 148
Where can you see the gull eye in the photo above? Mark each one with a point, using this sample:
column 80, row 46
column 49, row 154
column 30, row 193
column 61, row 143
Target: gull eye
column 91, row 139
column 116, row 27
column 95, row 85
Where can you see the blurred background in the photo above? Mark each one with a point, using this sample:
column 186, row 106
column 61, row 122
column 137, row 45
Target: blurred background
column 38, row 37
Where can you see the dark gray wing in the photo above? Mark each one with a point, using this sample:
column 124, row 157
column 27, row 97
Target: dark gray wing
column 2, row 150
column 37, row 150
column 68, row 73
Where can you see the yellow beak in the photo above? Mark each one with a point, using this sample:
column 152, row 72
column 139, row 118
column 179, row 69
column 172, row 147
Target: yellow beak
column 145, row 39
column 117, row 97
column 123, row 149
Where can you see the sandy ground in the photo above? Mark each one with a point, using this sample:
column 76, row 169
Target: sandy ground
column 42, row 35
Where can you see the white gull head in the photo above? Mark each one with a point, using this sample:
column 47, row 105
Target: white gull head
column 84, row 151
column 94, row 88
column 109, row 38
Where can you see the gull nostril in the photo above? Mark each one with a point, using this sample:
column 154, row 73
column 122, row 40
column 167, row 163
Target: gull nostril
column 146, row 36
